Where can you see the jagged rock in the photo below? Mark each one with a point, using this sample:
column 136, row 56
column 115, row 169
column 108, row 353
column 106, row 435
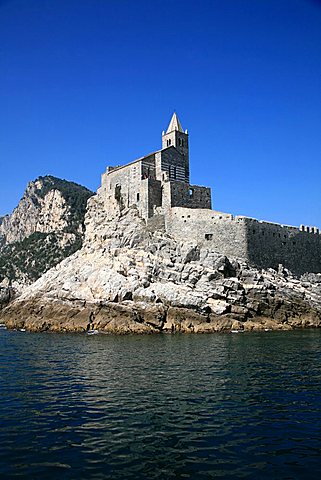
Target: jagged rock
column 127, row 279
column 218, row 306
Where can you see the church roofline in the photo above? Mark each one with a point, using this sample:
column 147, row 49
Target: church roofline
column 134, row 161
column 141, row 159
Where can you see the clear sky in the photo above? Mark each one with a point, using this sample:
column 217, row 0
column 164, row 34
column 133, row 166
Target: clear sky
column 87, row 83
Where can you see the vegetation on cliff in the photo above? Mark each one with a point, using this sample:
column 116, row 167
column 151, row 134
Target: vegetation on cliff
column 27, row 260
column 46, row 227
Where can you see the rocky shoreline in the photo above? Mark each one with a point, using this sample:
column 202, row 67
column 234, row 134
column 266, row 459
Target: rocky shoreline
column 126, row 279
column 130, row 317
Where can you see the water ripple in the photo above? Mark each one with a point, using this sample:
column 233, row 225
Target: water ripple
column 154, row 407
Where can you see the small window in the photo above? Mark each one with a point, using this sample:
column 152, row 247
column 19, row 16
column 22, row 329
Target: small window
column 117, row 192
column 169, row 142
column 137, row 197
column 208, row 236
column 191, row 192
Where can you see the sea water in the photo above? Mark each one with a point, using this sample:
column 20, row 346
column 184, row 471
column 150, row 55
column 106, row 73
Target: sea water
column 75, row 406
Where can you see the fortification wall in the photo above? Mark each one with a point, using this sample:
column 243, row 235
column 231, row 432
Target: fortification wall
column 263, row 244
column 216, row 231
column 269, row 244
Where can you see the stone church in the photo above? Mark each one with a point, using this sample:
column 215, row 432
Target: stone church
column 157, row 182
column 159, row 186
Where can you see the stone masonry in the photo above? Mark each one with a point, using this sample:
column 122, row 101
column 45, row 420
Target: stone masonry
column 159, row 186
column 157, row 182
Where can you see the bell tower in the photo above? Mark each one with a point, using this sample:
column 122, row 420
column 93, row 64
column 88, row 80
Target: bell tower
column 176, row 137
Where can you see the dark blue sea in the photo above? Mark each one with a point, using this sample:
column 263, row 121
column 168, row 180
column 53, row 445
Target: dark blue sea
column 226, row 406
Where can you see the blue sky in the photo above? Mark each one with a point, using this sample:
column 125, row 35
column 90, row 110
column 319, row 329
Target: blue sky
column 87, row 83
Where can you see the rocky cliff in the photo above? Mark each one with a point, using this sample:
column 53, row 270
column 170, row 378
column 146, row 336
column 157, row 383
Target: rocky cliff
column 126, row 278
column 45, row 227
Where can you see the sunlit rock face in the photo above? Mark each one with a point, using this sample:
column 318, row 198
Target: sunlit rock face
column 45, row 227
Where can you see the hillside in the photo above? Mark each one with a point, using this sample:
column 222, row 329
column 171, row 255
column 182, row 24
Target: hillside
column 45, row 227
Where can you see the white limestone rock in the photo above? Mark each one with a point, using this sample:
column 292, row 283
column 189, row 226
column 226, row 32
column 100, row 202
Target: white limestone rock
column 122, row 263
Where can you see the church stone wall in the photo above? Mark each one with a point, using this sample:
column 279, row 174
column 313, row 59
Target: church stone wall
column 121, row 186
column 173, row 165
column 199, row 197
column 190, row 196
column 148, row 167
column 179, row 140
column 150, row 197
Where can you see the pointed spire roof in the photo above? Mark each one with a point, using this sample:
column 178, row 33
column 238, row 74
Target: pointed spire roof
column 174, row 124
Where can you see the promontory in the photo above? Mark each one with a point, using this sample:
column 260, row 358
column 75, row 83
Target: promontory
column 151, row 255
